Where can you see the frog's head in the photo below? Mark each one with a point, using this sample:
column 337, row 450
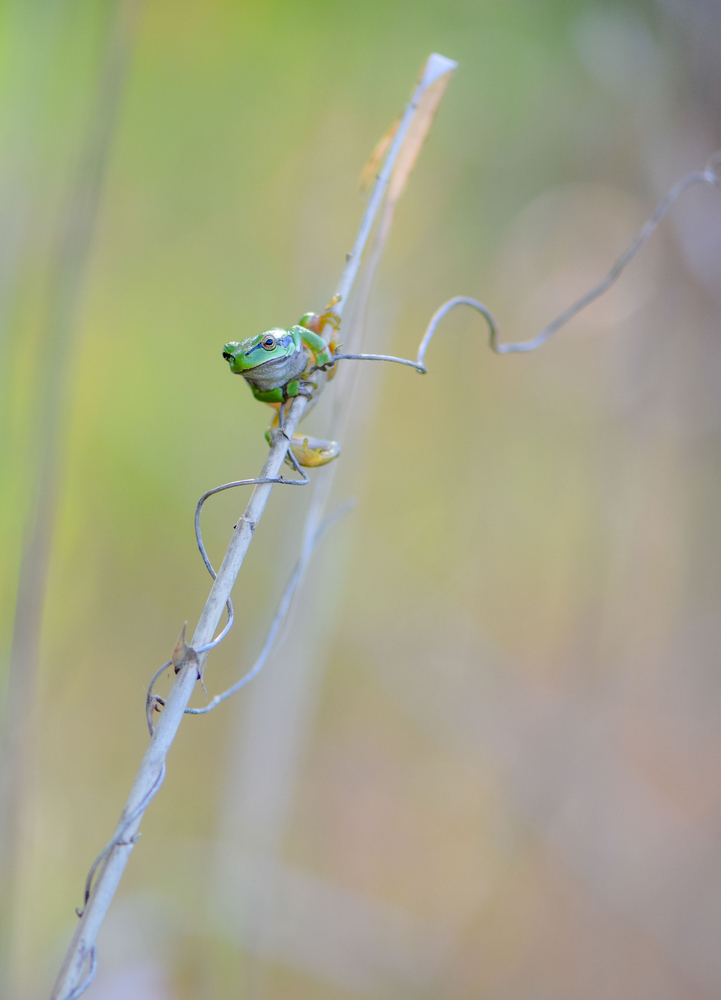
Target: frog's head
column 245, row 355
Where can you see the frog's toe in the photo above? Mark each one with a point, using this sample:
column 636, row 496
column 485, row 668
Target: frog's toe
column 312, row 452
column 331, row 318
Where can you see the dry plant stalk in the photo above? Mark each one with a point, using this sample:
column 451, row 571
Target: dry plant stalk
column 188, row 664
column 400, row 146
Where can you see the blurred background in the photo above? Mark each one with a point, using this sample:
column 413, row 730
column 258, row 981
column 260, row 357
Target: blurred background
column 483, row 763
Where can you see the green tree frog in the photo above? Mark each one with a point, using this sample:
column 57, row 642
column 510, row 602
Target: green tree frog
column 280, row 364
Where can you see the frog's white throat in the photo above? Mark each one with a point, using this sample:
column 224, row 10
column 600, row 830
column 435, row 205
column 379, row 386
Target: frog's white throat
column 278, row 371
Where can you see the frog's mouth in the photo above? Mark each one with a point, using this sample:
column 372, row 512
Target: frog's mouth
column 277, row 371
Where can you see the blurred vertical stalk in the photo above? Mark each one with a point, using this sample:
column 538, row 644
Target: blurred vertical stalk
column 57, row 364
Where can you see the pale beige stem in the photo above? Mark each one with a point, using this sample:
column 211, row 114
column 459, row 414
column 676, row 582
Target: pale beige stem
column 152, row 767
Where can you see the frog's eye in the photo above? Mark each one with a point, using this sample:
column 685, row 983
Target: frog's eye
column 268, row 342
column 227, row 356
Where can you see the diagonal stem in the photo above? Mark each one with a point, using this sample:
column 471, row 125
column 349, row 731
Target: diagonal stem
column 70, row 983
column 110, row 873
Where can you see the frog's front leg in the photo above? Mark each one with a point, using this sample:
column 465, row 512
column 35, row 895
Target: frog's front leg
column 296, row 387
column 271, row 396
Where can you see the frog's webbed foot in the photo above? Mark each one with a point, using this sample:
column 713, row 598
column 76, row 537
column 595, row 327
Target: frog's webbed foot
column 309, row 451
column 329, row 318
column 312, row 452
column 316, row 323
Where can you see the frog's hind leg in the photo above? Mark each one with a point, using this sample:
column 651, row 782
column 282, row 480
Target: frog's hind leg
column 276, row 424
column 317, row 323
column 298, row 388
column 312, row 452
column 308, row 451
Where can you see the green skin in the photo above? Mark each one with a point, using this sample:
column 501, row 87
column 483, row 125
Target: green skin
column 273, row 363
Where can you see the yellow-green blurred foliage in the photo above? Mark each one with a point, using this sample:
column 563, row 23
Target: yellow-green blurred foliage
column 483, row 762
